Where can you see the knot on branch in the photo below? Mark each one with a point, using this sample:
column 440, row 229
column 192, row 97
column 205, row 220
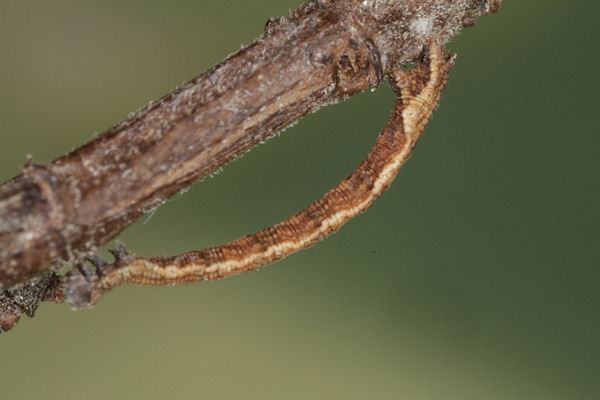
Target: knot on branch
column 357, row 68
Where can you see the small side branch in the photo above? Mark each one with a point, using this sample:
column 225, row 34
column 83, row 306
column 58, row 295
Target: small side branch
column 25, row 298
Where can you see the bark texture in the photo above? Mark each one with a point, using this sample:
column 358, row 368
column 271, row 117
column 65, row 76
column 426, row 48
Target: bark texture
column 324, row 52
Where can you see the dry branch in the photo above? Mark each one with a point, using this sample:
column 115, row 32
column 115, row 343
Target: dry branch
column 324, row 52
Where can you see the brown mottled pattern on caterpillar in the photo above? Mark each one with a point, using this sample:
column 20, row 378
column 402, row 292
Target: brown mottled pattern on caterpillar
column 418, row 93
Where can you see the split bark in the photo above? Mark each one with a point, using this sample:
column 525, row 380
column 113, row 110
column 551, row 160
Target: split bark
column 324, row 52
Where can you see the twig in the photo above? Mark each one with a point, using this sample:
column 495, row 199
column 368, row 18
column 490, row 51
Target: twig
column 324, row 52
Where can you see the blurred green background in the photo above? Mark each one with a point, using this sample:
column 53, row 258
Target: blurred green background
column 474, row 277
